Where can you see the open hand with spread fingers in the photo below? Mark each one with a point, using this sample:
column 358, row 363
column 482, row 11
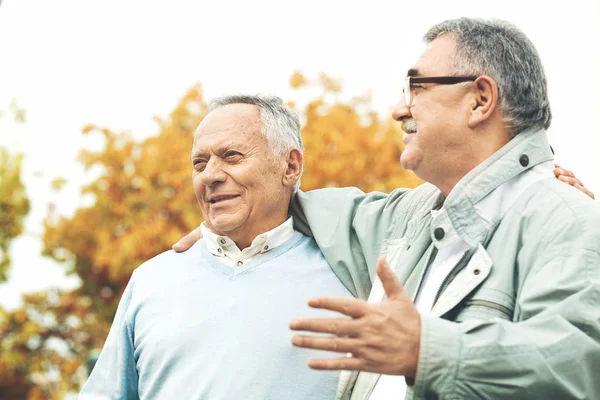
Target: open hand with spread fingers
column 381, row 337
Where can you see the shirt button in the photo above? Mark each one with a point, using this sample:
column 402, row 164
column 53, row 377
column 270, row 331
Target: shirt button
column 266, row 248
column 219, row 250
column 239, row 263
column 524, row 160
column 439, row 233
column 223, row 241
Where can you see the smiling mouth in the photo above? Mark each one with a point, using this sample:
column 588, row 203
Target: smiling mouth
column 218, row 199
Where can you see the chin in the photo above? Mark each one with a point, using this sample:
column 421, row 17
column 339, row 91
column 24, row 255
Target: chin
column 224, row 225
column 409, row 160
column 408, row 164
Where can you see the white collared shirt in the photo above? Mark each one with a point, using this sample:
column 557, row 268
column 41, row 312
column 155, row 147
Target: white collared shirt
column 451, row 248
column 228, row 253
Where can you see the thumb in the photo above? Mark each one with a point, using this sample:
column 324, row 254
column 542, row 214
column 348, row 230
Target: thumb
column 188, row 241
column 392, row 286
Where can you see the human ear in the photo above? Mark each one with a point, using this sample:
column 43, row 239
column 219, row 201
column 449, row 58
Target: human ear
column 294, row 166
column 485, row 101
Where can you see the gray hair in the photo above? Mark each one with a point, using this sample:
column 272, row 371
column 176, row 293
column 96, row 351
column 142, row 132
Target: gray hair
column 279, row 123
column 500, row 50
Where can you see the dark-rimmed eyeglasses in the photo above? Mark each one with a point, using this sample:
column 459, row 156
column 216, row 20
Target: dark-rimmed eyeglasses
column 407, row 90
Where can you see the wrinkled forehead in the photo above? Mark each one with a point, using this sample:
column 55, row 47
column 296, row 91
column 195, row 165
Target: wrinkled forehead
column 242, row 118
column 437, row 59
column 229, row 128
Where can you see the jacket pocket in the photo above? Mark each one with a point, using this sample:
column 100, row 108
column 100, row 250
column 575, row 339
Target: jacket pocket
column 484, row 309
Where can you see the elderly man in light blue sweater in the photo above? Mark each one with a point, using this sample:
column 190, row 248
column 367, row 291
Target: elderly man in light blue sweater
column 212, row 323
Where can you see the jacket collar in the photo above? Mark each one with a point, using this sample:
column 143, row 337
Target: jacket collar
column 523, row 152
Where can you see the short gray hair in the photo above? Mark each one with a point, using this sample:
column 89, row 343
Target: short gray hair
column 279, row 123
column 500, row 50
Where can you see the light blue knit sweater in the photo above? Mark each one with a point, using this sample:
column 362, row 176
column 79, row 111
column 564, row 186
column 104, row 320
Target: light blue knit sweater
column 189, row 327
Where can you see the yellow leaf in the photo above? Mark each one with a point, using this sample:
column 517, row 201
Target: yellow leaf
column 58, row 183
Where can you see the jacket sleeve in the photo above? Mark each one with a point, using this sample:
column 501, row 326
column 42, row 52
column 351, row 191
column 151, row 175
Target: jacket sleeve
column 551, row 349
column 115, row 376
column 349, row 227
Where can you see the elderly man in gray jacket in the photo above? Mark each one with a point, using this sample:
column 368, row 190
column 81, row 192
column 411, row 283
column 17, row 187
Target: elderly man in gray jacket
column 501, row 260
column 494, row 286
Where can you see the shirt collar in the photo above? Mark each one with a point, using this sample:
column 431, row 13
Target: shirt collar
column 223, row 246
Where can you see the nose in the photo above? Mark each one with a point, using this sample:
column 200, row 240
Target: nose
column 401, row 110
column 213, row 173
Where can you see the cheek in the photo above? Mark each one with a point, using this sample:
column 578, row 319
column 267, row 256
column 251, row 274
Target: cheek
column 198, row 188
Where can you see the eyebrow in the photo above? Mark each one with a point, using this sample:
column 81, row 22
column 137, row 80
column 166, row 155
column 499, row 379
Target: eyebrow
column 197, row 155
column 220, row 150
column 412, row 72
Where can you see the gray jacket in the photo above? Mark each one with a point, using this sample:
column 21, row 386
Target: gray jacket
column 519, row 315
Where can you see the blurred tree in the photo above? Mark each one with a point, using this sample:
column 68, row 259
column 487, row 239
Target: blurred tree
column 16, row 111
column 14, row 205
column 144, row 202
column 44, row 342
column 347, row 143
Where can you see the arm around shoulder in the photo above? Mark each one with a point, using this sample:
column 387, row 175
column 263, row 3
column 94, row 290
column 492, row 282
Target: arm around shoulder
column 349, row 227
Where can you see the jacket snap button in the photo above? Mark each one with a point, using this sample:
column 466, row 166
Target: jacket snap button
column 476, row 271
column 524, row 160
column 439, row 233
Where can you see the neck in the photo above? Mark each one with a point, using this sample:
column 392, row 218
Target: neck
column 486, row 144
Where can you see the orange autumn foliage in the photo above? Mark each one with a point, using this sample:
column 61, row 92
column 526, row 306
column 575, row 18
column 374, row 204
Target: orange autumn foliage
column 14, row 205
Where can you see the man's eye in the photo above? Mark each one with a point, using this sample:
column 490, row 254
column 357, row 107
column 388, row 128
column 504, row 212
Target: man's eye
column 199, row 165
column 232, row 154
column 416, row 86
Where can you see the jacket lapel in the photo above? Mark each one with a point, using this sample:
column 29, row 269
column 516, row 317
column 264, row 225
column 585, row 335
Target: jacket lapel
column 477, row 269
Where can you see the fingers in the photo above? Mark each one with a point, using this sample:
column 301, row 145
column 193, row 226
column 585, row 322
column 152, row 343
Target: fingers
column 351, row 307
column 340, row 345
column 584, row 190
column 391, row 284
column 566, row 176
column 188, row 241
column 576, row 183
column 570, row 180
column 334, row 326
column 346, row 363
column 558, row 171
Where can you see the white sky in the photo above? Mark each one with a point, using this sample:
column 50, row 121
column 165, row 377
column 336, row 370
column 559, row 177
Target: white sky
column 117, row 63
